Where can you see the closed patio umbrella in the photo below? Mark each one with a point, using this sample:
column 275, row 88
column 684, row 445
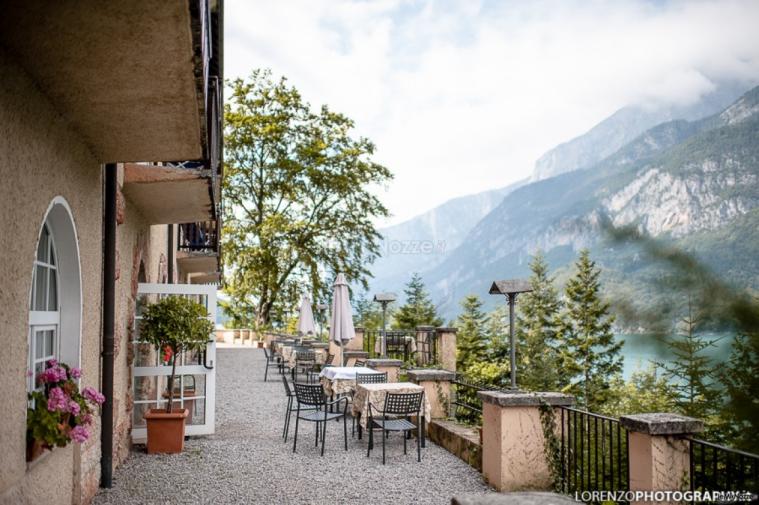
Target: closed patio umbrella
column 306, row 318
column 341, row 328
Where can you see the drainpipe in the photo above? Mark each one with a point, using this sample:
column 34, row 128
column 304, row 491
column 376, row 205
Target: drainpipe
column 109, row 309
column 170, row 255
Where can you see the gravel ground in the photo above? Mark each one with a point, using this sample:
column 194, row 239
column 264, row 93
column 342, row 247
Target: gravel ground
column 246, row 461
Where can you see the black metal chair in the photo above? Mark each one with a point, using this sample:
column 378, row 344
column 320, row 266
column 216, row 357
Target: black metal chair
column 305, row 363
column 360, row 362
column 310, row 397
column 367, row 378
column 329, row 359
column 272, row 360
column 291, row 406
column 394, row 416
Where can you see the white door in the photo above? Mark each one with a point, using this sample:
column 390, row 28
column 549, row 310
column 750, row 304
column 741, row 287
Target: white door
column 195, row 383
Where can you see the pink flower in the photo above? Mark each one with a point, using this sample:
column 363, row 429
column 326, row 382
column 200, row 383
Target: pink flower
column 54, row 374
column 79, row 434
column 74, row 408
column 52, row 363
column 76, row 373
column 29, row 373
column 93, row 395
column 87, row 419
column 57, row 400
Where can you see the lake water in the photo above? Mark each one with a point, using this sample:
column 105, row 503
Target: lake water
column 640, row 349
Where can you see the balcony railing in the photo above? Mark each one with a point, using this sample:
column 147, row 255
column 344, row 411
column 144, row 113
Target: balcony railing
column 466, row 405
column 593, row 452
column 199, row 237
column 715, row 467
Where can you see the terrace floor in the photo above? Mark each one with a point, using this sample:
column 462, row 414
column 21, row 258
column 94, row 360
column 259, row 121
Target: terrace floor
column 246, row 461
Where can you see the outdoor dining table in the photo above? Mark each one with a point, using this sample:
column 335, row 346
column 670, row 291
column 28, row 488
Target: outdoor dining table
column 338, row 380
column 374, row 394
column 286, row 351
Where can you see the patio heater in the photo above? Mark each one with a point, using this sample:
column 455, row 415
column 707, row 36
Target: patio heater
column 510, row 289
column 321, row 308
column 385, row 299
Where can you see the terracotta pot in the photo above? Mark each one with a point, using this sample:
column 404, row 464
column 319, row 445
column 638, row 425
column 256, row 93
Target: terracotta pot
column 166, row 430
column 34, row 450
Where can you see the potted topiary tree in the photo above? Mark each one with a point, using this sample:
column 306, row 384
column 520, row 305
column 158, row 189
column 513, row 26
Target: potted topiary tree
column 173, row 325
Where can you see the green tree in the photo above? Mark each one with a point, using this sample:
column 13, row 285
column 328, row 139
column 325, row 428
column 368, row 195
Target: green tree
column 647, row 391
column 589, row 355
column 536, row 331
column 497, row 332
column 418, row 309
column 297, row 194
column 471, row 339
column 691, row 371
column 367, row 314
column 740, row 377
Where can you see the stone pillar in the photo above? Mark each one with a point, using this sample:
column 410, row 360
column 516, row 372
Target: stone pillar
column 391, row 366
column 447, row 348
column 659, row 452
column 357, row 344
column 513, row 444
column 437, row 389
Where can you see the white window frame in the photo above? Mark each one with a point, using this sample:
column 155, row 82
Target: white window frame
column 43, row 320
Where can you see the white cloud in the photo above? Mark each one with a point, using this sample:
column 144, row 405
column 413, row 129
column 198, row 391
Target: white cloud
column 463, row 96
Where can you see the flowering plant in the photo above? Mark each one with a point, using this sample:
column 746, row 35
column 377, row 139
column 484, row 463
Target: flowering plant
column 60, row 413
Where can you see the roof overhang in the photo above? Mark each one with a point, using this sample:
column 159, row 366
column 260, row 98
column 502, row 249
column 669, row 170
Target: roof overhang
column 126, row 75
column 166, row 195
column 510, row 286
column 212, row 278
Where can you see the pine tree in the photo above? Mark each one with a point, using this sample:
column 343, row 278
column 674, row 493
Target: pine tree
column 741, row 380
column 646, row 391
column 536, row 330
column 691, row 371
column 589, row 355
column 471, row 342
column 418, row 309
column 497, row 333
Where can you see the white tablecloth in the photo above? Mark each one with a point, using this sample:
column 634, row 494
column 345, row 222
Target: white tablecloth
column 345, row 372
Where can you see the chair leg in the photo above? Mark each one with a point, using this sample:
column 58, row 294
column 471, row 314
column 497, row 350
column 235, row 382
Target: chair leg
column 287, row 423
column 404, row 442
column 369, row 443
column 345, row 432
column 287, row 416
column 295, row 438
column 419, row 442
column 316, row 434
column 266, row 370
column 324, row 435
column 383, row 443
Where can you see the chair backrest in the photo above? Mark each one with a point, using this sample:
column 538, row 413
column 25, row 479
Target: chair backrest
column 305, row 356
column 403, row 403
column 309, row 394
column 360, row 362
column 371, row 378
column 287, row 386
column 329, row 359
column 301, row 348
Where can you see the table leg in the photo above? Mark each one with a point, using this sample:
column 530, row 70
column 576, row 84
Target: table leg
column 424, row 435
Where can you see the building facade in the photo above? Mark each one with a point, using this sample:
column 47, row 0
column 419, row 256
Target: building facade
column 94, row 93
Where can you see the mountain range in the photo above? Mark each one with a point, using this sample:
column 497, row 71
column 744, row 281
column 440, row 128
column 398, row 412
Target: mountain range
column 692, row 179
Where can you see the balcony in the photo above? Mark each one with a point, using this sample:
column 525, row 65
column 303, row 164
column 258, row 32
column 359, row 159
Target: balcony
column 132, row 78
column 198, row 251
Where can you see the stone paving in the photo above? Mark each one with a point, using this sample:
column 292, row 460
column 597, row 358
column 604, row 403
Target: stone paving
column 246, row 461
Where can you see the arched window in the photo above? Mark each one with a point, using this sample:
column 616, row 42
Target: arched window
column 55, row 302
column 44, row 313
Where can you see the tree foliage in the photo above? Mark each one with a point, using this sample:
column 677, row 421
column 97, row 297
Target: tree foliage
column 471, row 337
column 537, row 329
column 297, row 191
column 740, row 377
column 589, row 354
column 367, row 314
column 418, row 309
column 646, row 391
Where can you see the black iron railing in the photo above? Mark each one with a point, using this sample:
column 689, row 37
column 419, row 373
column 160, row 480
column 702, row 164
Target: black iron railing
column 199, row 237
column 715, row 467
column 466, row 406
column 593, row 452
column 411, row 346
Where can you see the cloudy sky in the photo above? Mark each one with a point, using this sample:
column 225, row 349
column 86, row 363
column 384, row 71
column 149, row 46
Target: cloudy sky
column 463, row 96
